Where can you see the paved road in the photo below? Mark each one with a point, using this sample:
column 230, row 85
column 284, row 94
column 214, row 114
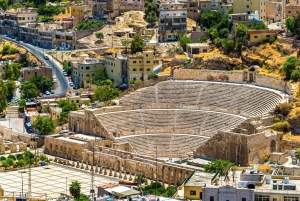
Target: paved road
column 62, row 82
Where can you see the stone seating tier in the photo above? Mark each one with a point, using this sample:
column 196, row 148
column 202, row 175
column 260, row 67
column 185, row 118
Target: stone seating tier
column 250, row 99
column 144, row 120
column 167, row 144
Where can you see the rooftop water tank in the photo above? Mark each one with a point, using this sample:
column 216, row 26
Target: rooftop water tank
column 245, row 184
column 240, row 184
column 268, row 180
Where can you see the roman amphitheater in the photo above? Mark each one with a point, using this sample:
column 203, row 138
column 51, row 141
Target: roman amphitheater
column 217, row 114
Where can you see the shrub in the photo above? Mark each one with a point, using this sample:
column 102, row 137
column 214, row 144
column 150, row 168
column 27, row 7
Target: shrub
column 283, row 109
column 283, row 126
column 130, row 25
column 132, row 81
column 202, row 39
column 12, row 157
column 238, row 45
column 152, row 76
column 295, row 75
column 185, row 63
column 272, row 40
column 266, row 159
column 2, row 158
column 276, row 119
column 138, row 81
column 270, row 71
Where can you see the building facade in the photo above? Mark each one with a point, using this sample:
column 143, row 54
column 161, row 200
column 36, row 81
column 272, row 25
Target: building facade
column 172, row 21
column 116, row 68
column 36, row 71
column 140, row 65
column 84, row 70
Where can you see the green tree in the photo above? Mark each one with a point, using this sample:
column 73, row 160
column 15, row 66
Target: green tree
column 22, row 105
column 29, row 4
column 83, row 197
column 257, row 26
column 99, row 35
column 74, row 189
column 297, row 25
column 43, row 83
column 224, row 33
column 105, row 93
column 100, row 78
column 66, row 108
column 12, row 71
column 4, row 164
column 290, row 65
column 152, row 18
column 218, row 165
column 3, row 95
column 12, row 157
column 2, row 158
column 140, row 179
column 137, row 44
column 283, row 126
column 183, row 41
column 241, row 31
column 30, row 90
column 213, row 34
column 210, row 18
column 149, row 7
column 125, row 43
column 44, row 125
column 9, row 161
column 297, row 153
column 289, row 22
column 202, row 39
column 4, row 4
column 11, row 87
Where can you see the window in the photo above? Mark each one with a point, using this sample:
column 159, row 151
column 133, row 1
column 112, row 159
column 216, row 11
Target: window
column 247, row 6
column 87, row 68
column 268, row 36
column 140, row 61
column 141, row 69
column 274, row 199
column 288, row 198
column 289, row 11
column 134, row 62
column 148, row 69
column 87, row 75
column 134, row 69
column 243, row 199
column 255, row 36
column 112, row 71
column 192, row 192
column 148, row 62
column 146, row 55
column 92, row 74
column 211, row 198
column 262, row 198
column 28, row 73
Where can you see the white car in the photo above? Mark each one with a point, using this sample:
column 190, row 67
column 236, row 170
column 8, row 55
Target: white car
column 65, row 74
column 71, row 84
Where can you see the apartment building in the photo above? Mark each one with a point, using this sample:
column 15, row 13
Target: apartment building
column 193, row 10
column 250, row 6
column 274, row 10
column 172, row 21
column 30, row 72
column 139, row 65
column 11, row 19
column 100, row 9
column 292, row 10
column 84, row 70
column 205, row 5
column 77, row 12
column 244, row 18
column 116, row 68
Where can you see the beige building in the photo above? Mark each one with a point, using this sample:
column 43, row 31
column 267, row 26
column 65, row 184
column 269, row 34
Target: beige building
column 30, row 72
column 250, row 6
column 192, row 6
column 257, row 36
column 116, row 68
column 291, row 10
column 140, row 65
column 84, row 70
column 172, row 21
column 77, row 12
column 196, row 48
column 11, row 19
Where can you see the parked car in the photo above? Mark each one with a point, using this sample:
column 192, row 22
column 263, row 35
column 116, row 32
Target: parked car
column 146, row 40
column 65, row 74
column 52, row 92
column 47, row 93
column 71, row 84
column 40, row 95
column 46, row 57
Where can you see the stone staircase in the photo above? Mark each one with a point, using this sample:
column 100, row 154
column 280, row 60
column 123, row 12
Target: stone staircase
column 12, row 112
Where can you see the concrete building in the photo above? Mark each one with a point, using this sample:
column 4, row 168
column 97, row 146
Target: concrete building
column 11, row 19
column 77, row 12
column 196, row 48
column 274, row 10
column 291, row 10
column 244, row 18
column 84, row 70
column 30, row 72
column 250, row 6
column 257, row 36
column 140, row 65
column 65, row 40
column 224, row 8
column 205, row 5
column 172, row 21
column 192, row 9
column 116, row 68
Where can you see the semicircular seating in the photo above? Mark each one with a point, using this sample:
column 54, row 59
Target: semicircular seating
column 169, row 120
column 250, row 99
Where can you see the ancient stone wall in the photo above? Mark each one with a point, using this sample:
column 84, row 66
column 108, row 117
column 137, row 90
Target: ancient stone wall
column 235, row 77
column 63, row 148
column 13, row 135
column 225, row 145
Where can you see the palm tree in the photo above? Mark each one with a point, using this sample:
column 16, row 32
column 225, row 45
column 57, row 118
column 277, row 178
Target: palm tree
column 140, row 179
column 75, row 189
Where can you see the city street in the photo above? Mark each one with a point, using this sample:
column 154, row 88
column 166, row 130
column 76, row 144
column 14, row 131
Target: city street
column 62, row 82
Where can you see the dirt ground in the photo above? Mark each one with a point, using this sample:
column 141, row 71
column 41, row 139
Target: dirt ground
column 291, row 137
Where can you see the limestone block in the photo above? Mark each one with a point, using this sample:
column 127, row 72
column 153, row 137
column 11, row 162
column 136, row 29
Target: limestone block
column 2, row 149
column 55, row 159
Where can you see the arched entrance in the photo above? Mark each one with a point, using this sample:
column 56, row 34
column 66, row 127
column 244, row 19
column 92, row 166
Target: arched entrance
column 273, row 146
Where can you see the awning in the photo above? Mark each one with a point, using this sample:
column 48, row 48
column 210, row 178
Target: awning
column 130, row 192
column 122, row 191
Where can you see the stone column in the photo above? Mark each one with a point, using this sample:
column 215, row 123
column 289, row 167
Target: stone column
column 96, row 171
column 169, row 176
column 77, row 165
column 120, row 175
column 110, row 171
column 130, row 178
column 105, row 171
column 125, row 176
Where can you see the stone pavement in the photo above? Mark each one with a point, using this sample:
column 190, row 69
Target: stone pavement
column 52, row 181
